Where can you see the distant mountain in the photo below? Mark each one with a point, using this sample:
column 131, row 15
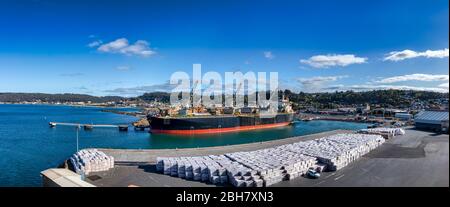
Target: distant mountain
column 155, row 96
column 389, row 98
column 66, row 97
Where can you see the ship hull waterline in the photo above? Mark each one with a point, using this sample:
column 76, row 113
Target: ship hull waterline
column 216, row 124
column 218, row 130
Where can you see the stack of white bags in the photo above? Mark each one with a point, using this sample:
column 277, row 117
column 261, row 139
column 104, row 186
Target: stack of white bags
column 339, row 150
column 91, row 160
column 272, row 165
column 392, row 132
column 212, row 168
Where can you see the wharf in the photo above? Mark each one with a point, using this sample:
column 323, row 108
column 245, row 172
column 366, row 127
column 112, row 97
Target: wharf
column 150, row 155
column 89, row 126
column 418, row 158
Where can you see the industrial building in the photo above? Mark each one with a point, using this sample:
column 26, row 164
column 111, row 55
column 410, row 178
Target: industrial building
column 432, row 120
column 404, row 116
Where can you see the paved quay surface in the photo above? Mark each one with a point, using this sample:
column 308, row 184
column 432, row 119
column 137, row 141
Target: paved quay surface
column 416, row 159
column 136, row 167
column 150, row 155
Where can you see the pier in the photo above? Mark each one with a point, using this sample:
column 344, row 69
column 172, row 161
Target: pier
column 150, row 155
column 89, row 126
column 406, row 158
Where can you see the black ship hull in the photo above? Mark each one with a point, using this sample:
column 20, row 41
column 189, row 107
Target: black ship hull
column 216, row 124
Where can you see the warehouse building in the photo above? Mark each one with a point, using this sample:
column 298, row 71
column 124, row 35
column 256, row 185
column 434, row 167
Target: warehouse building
column 403, row 116
column 432, row 120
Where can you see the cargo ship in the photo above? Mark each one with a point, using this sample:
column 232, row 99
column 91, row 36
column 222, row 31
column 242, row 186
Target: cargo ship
column 217, row 123
column 220, row 119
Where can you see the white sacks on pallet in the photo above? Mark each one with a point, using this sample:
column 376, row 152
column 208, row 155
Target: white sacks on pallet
column 272, row 165
column 205, row 168
column 339, row 150
column 391, row 131
column 91, row 160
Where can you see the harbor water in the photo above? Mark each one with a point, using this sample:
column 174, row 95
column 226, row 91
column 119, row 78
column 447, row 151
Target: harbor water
column 28, row 145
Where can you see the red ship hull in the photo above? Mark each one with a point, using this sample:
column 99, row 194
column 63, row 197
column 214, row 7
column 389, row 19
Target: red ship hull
column 219, row 130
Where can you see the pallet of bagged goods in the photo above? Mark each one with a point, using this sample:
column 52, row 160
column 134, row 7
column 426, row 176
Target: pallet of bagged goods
column 387, row 133
column 212, row 168
column 339, row 150
column 91, row 160
column 272, row 165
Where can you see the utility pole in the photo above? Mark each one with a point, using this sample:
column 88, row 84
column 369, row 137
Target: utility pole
column 78, row 128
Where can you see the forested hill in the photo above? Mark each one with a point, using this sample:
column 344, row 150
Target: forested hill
column 66, row 97
column 382, row 97
column 155, row 96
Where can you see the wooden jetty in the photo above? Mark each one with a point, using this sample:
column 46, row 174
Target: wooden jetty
column 89, row 126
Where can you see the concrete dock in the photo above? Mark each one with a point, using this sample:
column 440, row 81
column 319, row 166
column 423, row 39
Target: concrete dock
column 59, row 177
column 150, row 155
column 416, row 159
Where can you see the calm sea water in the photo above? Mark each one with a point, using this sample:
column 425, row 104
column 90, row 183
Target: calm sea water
column 28, row 145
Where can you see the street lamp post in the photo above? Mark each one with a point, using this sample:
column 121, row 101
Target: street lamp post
column 78, row 128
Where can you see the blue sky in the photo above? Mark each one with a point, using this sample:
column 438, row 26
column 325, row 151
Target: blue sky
column 129, row 47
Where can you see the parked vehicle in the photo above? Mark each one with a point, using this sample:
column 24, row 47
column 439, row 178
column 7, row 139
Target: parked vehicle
column 312, row 173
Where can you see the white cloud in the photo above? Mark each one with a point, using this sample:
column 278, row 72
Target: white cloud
column 368, row 87
column 95, row 43
column 321, row 79
column 415, row 77
column 444, row 85
column 139, row 90
column 115, row 45
column 123, row 68
column 71, row 74
column 316, row 84
column 407, row 54
column 325, row 61
column 122, row 46
column 269, row 55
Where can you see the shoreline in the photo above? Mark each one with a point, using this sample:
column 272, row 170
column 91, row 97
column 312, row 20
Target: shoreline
column 113, row 109
column 149, row 155
column 407, row 157
column 73, row 105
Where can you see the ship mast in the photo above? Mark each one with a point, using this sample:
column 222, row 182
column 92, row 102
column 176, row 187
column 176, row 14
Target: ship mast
column 192, row 94
column 235, row 94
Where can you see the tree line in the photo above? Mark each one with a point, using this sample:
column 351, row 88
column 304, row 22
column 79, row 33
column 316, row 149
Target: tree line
column 394, row 98
column 66, row 97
